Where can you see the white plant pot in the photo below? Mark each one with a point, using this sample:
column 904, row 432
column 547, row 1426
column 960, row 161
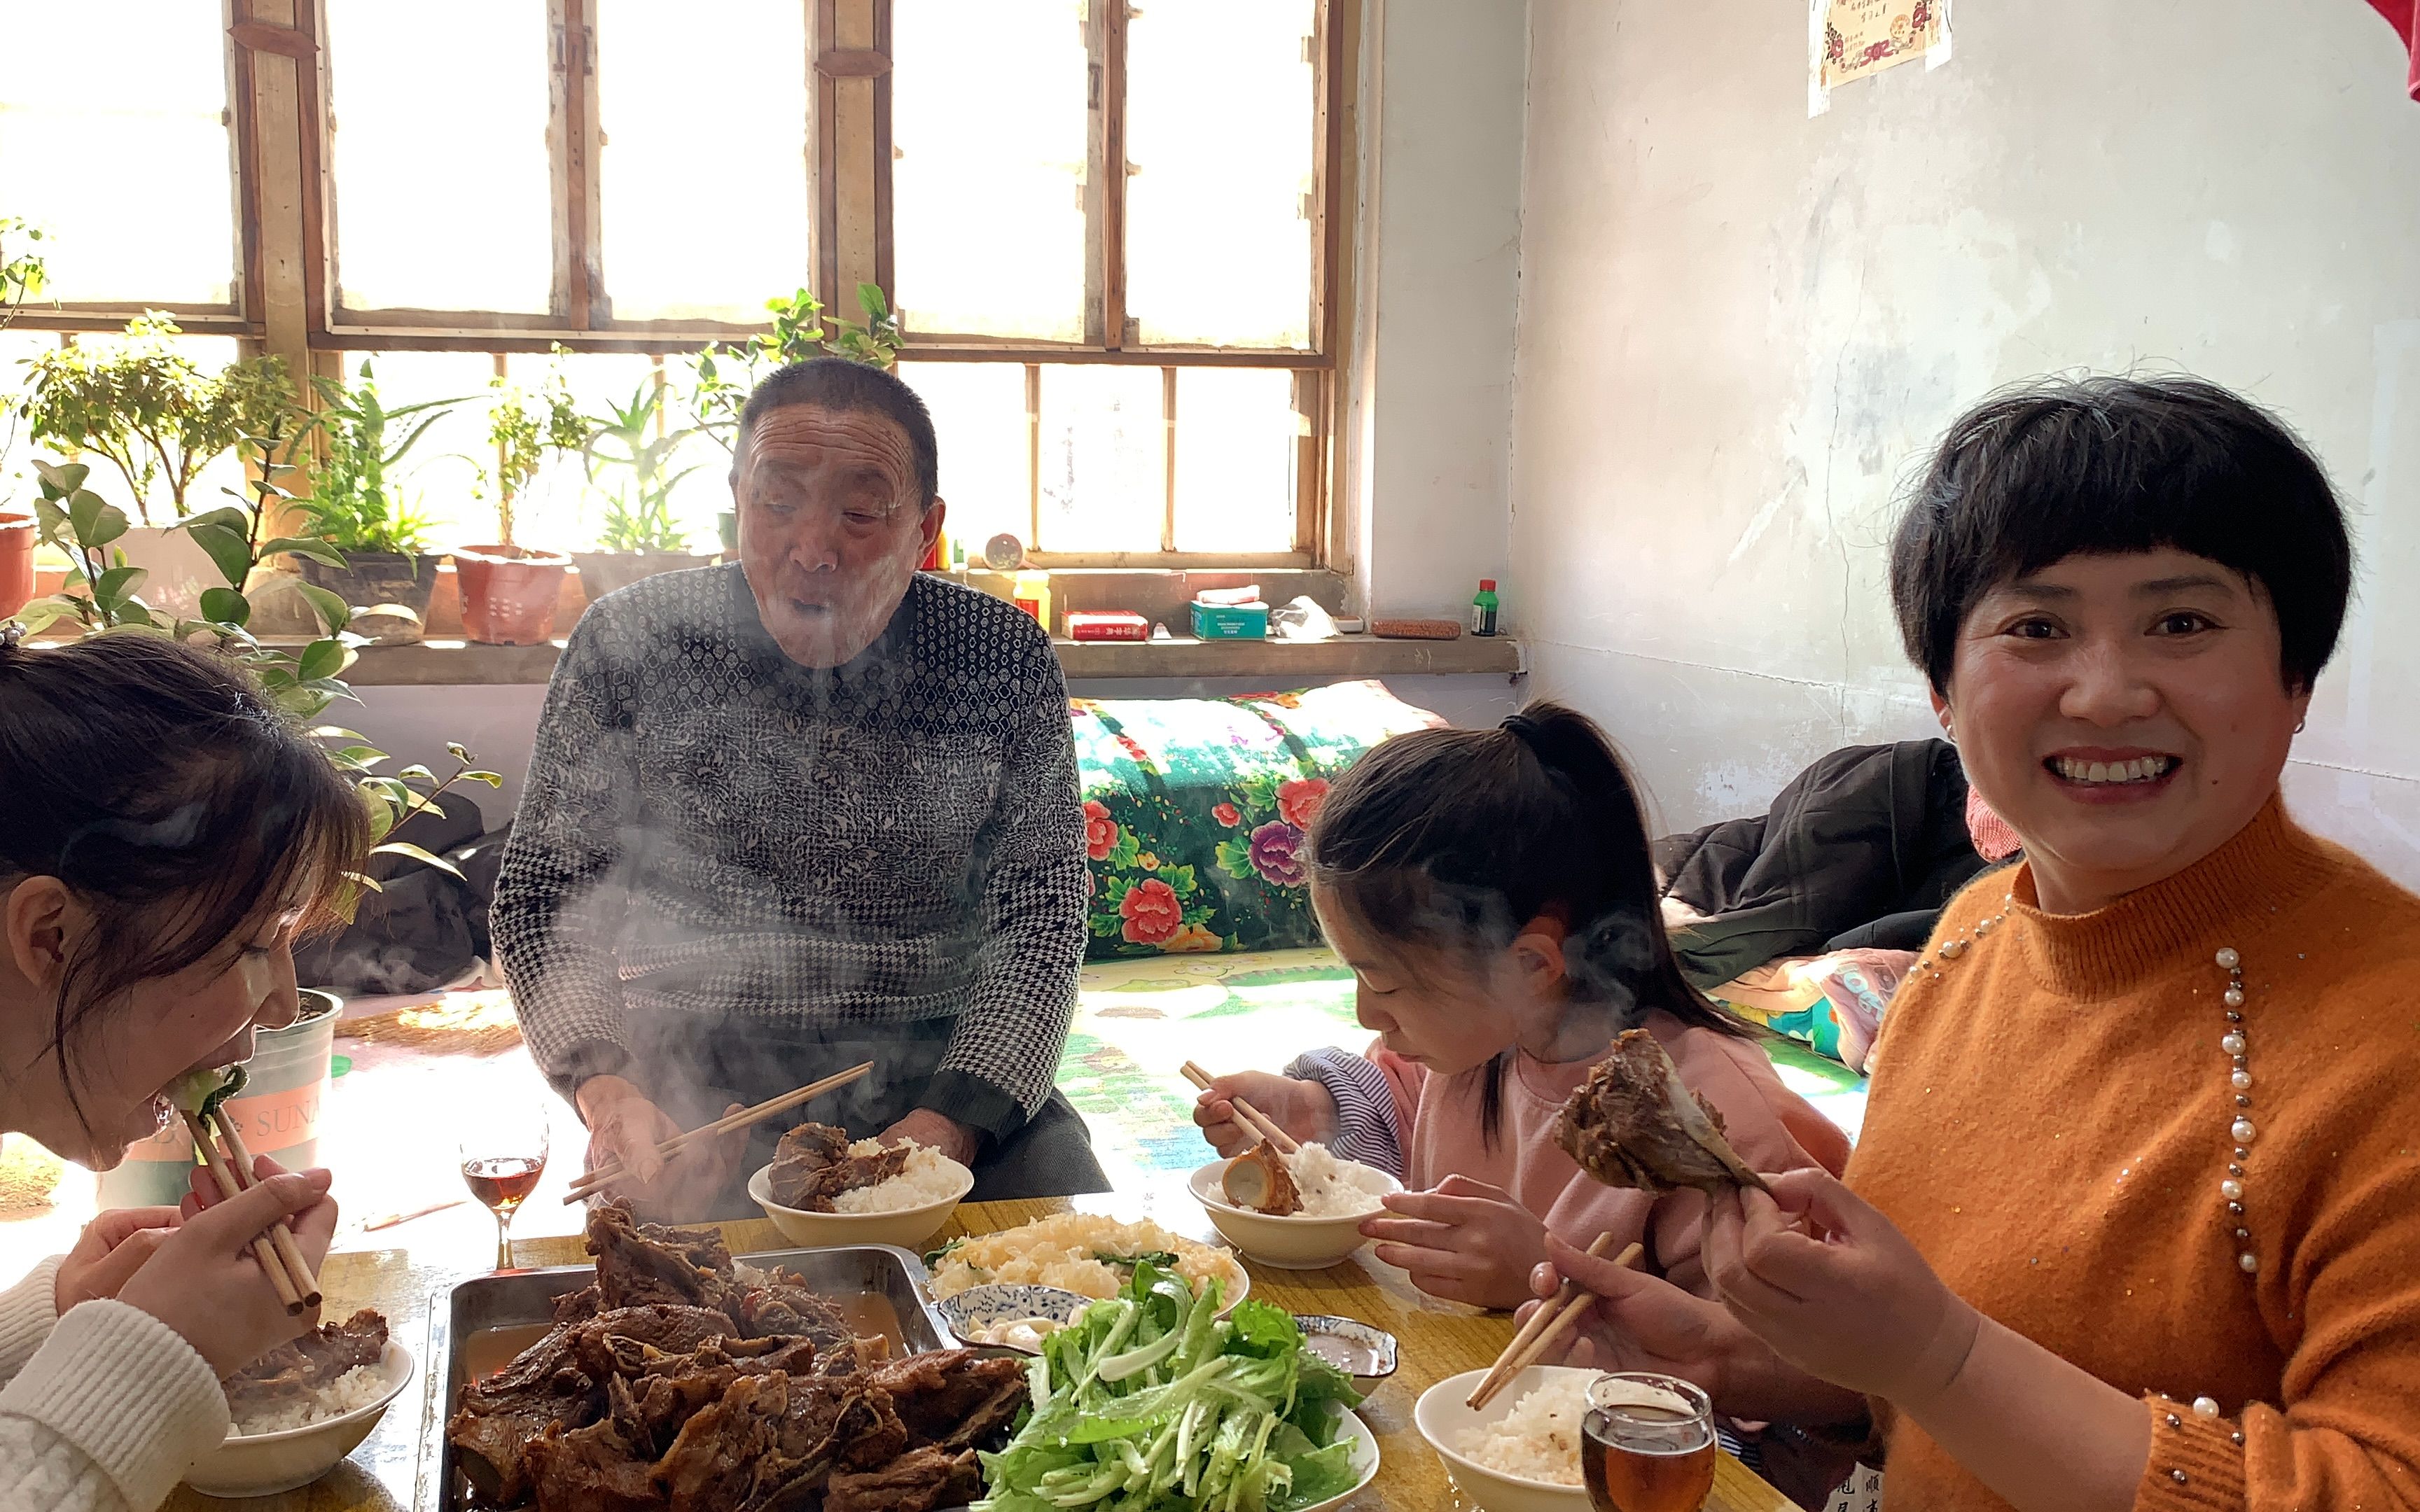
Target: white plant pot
column 180, row 569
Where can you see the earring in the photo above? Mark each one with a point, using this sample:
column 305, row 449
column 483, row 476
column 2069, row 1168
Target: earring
column 2302, row 724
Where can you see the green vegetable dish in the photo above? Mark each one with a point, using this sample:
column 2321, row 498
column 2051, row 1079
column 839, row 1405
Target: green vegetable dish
column 1151, row 1402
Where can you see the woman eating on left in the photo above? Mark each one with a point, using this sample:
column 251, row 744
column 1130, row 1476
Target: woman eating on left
column 164, row 833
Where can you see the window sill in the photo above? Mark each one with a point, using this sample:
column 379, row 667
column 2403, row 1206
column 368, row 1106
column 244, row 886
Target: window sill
column 457, row 663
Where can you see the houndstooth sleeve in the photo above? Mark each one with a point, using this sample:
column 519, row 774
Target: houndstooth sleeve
column 561, row 890
column 1003, row 1055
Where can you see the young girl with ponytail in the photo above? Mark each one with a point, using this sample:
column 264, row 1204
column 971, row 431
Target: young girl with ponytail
column 1494, row 894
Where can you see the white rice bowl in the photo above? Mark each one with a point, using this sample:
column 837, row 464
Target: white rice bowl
column 1538, row 1439
column 1462, row 1437
column 281, row 1449
column 1060, row 1251
column 361, row 1387
column 929, row 1177
column 1333, row 1187
column 906, row 1210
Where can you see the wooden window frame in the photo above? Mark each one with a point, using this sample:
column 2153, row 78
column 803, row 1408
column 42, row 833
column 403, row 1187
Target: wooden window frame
column 285, row 284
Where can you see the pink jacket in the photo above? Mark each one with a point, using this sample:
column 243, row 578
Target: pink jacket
column 1436, row 1127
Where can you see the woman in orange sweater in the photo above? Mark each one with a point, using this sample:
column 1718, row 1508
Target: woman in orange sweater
column 2135, row 1218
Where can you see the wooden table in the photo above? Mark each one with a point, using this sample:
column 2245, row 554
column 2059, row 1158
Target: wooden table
column 1436, row 1340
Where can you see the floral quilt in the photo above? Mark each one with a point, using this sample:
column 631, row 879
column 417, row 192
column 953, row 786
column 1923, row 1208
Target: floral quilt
column 1196, row 809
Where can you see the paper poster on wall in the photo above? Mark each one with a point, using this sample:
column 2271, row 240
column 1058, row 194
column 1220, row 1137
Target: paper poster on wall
column 1847, row 39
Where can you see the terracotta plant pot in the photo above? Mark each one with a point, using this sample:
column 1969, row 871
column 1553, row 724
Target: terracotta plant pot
column 607, row 572
column 16, row 561
column 509, row 593
column 370, row 578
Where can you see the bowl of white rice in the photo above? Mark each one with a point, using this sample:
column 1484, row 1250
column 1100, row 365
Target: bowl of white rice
column 906, row 1210
column 294, row 1441
column 1521, row 1452
column 1335, row 1196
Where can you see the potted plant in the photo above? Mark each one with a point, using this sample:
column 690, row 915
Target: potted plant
column 146, row 409
column 509, row 591
column 640, row 537
column 380, row 539
column 21, row 277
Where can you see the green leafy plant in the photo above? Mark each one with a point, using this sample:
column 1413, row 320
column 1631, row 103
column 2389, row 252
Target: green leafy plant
column 631, row 440
column 101, row 592
column 144, row 407
column 721, row 377
column 525, row 427
column 355, row 503
column 23, row 274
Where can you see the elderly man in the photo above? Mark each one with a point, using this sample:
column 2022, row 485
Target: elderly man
column 807, row 810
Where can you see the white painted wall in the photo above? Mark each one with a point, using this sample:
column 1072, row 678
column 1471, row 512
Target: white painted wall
column 1439, row 259
column 1739, row 327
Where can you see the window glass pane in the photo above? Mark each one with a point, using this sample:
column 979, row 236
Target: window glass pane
column 704, row 165
column 989, row 131
column 437, row 479
column 88, row 88
column 17, row 449
column 443, row 190
column 1237, row 437
column 564, row 510
column 979, row 423
column 1104, row 458
column 1220, row 133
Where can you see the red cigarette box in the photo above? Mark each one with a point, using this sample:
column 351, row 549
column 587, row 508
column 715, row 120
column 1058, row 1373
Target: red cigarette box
column 1107, row 625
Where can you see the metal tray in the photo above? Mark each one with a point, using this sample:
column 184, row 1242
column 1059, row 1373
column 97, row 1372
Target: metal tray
column 526, row 1297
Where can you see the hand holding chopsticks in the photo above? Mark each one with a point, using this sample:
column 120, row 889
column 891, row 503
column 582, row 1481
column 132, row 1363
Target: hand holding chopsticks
column 1555, row 1317
column 232, row 1172
column 1266, row 1126
column 595, row 1181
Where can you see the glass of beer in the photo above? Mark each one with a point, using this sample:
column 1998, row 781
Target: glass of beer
column 1647, row 1443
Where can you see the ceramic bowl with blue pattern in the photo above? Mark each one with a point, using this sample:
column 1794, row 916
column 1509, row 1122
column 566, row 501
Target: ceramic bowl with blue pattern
column 1011, row 1313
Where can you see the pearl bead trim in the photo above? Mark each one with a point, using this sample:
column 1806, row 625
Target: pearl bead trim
column 2235, row 1043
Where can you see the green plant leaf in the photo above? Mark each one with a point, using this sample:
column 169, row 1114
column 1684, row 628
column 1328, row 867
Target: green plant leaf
column 332, row 608
column 229, row 548
column 116, row 585
column 50, row 519
column 225, row 605
column 493, row 779
column 41, row 613
column 304, row 545
column 320, row 659
column 417, row 773
column 405, row 848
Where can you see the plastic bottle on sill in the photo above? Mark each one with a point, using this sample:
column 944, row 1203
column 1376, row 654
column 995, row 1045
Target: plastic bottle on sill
column 1033, row 594
column 1483, row 609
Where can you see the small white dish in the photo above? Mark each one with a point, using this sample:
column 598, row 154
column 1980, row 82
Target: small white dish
column 1289, row 1243
column 977, row 1310
column 1443, row 1419
column 908, row 1228
column 1364, row 1352
column 263, row 1464
column 1365, row 1462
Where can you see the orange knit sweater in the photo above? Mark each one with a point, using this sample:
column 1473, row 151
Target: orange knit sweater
column 2051, row 1122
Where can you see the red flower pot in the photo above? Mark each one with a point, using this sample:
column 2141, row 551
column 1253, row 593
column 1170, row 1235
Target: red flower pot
column 509, row 595
column 16, row 561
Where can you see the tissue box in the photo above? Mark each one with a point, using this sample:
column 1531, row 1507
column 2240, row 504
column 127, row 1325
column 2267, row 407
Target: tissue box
column 1231, row 622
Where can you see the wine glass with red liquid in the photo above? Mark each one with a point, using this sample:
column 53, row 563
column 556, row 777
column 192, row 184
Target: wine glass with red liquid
column 503, row 1157
column 1647, row 1443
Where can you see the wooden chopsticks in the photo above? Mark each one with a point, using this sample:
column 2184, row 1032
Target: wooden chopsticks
column 590, row 1183
column 1259, row 1121
column 1549, row 1323
column 289, row 1271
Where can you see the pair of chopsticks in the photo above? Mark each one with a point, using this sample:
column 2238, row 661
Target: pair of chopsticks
column 231, row 1171
column 1261, row 1121
column 1545, row 1326
column 589, row 1184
